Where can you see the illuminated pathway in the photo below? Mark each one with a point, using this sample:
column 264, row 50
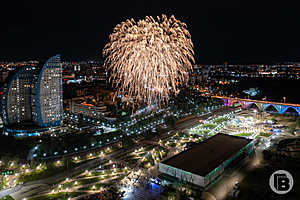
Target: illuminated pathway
column 262, row 105
column 28, row 189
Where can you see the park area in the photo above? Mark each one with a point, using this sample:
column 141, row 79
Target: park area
column 247, row 124
column 87, row 183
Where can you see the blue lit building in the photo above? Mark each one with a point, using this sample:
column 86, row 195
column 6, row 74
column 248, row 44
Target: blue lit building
column 32, row 98
column 16, row 98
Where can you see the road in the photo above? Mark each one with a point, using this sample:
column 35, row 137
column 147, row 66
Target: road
column 25, row 190
column 226, row 182
column 193, row 121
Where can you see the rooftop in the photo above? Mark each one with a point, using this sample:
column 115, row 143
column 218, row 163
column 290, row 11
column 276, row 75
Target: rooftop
column 204, row 157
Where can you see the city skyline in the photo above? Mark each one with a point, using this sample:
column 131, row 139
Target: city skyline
column 131, row 100
column 33, row 96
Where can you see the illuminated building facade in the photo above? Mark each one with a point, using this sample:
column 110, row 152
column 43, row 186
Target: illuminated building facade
column 33, row 95
column 17, row 106
column 203, row 162
column 88, row 110
column 47, row 95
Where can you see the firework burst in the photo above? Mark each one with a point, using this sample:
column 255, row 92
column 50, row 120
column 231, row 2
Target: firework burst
column 149, row 57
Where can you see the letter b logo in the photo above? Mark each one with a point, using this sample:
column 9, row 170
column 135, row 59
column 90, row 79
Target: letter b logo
column 281, row 182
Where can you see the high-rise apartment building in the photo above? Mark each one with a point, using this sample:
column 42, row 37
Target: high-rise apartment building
column 33, row 95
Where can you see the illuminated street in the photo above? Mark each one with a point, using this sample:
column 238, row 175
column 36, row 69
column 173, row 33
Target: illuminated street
column 149, row 100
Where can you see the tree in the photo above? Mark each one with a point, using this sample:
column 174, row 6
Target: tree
column 127, row 141
column 298, row 122
column 34, row 163
column 171, row 121
column 293, row 128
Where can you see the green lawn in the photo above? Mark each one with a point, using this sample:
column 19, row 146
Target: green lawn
column 89, row 180
column 244, row 134
column 7, row 198
column 68, row 184
column 264, row 134
column 131, row 161
column 171, row 144
column 41, row 174
column 97, row 186
column 209, row 126
column 200, row 131
column 51, row 170
column 2, row 183
column 220, row 120
column 147, row 148
column 36, row 175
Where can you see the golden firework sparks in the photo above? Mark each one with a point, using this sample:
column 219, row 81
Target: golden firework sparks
column 147, row 58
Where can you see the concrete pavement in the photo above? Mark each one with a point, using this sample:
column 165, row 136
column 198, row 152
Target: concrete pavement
column 28, row 189
column 226, row 182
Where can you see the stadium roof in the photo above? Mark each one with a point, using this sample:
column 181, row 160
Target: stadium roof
column 204, row 157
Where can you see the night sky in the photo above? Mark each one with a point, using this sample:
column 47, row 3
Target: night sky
column 233, row 31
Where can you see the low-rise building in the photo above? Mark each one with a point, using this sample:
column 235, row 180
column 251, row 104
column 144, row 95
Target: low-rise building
column 202, row 163
column 96, row 111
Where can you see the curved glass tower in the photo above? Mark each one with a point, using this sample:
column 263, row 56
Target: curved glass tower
column 48, row 98
column 18, row 101
column 34, row 95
